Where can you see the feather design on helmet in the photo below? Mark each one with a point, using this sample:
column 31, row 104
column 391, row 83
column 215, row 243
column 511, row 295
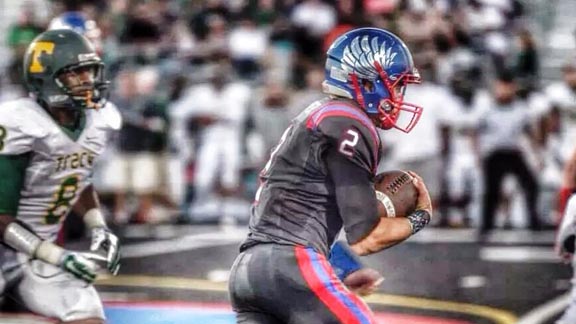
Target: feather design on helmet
column 360, row 54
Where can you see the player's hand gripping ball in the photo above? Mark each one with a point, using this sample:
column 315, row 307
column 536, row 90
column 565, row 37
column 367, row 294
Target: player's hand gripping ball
column 396, row 190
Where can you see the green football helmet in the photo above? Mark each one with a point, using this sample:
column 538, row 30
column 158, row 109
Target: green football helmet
column 63, row 52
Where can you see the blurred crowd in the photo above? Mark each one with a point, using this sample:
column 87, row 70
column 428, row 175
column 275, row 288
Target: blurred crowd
column 206, row 89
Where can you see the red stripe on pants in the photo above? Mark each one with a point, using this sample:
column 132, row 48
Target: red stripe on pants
column 335, row 305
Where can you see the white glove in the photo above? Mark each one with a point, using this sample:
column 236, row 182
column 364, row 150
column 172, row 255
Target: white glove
column 104, row 240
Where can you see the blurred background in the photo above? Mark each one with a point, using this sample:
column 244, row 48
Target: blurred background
column 206, row 89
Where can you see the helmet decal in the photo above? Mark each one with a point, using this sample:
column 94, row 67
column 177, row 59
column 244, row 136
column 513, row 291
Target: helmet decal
column 37, row 49
column 87, row 57
column 359, row 56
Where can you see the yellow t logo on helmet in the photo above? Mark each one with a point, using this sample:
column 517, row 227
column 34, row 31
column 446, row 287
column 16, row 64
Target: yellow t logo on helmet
column 37, row 50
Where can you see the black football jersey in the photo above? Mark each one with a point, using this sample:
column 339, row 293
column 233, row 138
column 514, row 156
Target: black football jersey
column 296, row 202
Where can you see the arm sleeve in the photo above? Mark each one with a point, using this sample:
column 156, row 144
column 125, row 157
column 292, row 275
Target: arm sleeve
column 14, row 140
column 355, row 196
column 17, row 137
column 12, row 172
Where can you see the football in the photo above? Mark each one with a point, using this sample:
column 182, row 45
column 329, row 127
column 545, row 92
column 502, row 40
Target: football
column 400, row 194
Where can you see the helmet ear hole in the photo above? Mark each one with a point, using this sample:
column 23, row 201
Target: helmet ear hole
column 367, row 85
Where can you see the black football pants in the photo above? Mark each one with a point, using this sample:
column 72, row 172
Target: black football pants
column 495, row 167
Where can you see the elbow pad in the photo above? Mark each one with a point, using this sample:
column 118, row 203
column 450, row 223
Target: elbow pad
column 21, row 239
column 18, row 237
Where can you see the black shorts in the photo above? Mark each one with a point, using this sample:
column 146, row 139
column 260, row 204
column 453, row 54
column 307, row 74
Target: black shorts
column 273, row 284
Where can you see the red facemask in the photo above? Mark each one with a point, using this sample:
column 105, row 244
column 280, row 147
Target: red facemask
column 389, row 109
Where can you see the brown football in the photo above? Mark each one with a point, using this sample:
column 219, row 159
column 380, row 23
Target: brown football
column 397, row 185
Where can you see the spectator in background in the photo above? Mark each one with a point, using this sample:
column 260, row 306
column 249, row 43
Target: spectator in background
column 349, row 16
column 264, row 12
column 140, row 25
column 490, row 25
column 458, row 54
column 504, row 121
column 279, row 60
column 553, row 162
column 215, row 112
column 247, row 44
column 313, row 19
column 214, row 41
column 315, row 16
column 175, row 36
column 201, row 19
column 461, row 188
column 271, row 115
column 141, row 34
column 142, row 144
column 415, row 26
column 419, row 22
column 477, row 18
column 18, row 37
column 526, row 64
column 378, row 7
column 562, row 96
column 312, row 91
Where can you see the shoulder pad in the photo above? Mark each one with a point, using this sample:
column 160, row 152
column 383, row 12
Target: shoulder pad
column 21, row 123
column 342, row 111
column 111, row 116
column 26, row 116
column 350, row 130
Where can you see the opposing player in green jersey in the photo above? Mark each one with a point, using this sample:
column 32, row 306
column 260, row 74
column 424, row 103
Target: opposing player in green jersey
column 48, row 145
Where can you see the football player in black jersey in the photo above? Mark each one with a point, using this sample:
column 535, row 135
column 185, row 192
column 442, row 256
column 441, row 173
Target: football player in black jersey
column 318, row 180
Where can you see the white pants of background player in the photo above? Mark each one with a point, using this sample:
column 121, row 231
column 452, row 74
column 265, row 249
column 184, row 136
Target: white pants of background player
column 567, row 230
column 463, row 177
column 47, row 290
column 218, row 159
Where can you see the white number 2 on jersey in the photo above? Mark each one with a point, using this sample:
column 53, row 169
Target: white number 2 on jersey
column 347, row 145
